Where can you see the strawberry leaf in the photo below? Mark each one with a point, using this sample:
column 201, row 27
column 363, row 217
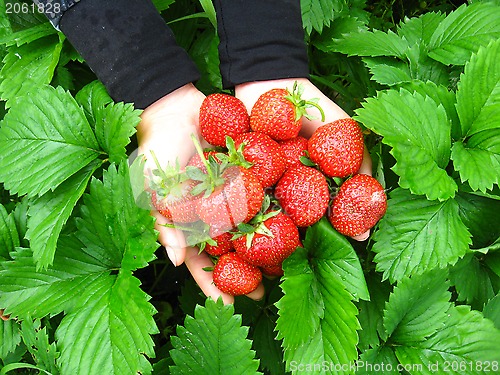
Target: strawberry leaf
column 417, row 307
column 38, row 150
column 419, row 30
column 115, row 124
column 9, row 237
column 317, row 319
column 463, row 31
column 36, row 340
column 48, row 214
column 377, row 356
column 465, row 337
column 419, row 131
column 91, row 97
column 416, row 235
column 110, row 328
column 213, row 342
column 492, row 310
column 28, row 66
column 477, row 156
column 10, row 337
column 319, row 13
column 372, row 43
column 112, row 226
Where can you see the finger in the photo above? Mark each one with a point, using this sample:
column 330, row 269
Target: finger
column 195, row 263
column 172, row 239
column 257, row 294
column 362, row 236
column 366, row 164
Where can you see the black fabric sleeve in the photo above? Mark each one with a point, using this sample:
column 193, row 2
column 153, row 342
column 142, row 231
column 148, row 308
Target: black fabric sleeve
column 129, row 47
column 260, row 40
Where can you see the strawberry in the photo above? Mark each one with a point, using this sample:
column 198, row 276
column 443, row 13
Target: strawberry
column 196, row 161
column 273, row 271
column 235, row 276
column 222, row 115
column 358, row 206
column 223, row 245
column 171, row 193
column 303, row 193
column 236, row 200
column 273, row 239
column 294, row 149
column 278, row 112
column 337, row 148
column 265, row 154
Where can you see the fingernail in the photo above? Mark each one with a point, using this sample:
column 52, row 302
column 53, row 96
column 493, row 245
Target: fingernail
column 171, row 255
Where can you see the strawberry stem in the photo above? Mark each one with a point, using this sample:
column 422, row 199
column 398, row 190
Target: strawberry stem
column 204, row 160
column 301, row 105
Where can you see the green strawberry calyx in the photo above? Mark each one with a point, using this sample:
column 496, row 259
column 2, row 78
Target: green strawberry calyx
column 234, row 155
column 257, row 224
column 167, row 180
column 301, row 105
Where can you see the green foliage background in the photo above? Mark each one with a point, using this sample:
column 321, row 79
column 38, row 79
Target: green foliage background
column 90, row 290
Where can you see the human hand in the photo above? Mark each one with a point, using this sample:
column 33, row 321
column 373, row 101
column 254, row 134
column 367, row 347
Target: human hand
column 249, row 92
column 166, row 127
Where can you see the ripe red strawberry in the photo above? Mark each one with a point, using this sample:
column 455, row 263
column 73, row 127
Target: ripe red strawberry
column 196, row 161
column 303, row 193
column 265, row 154
column 272, row 241
column 236, row 200
column 337, row 148
column 235, row 276
column 358, row 206
column 223, row 245
column 278, row 113
column 222, row 115
column 273, row 271
column 171, row 193
column 294, row 149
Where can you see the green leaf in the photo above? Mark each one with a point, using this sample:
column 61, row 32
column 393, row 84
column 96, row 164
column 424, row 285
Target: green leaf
column 319, row 13
column 492, row 310
column 463, row 31
column 9, row 237
column 371, row 312
column 380, row 358
column 419, row 30
column 44, row 139
column 49, row 213
column 417, row 307
column 472, row 281
column 28, row 66
column 372, row 43
column 441, row 96
column 478, row 94
column 10, row 337
column 416, row 235
column 466, row 338
column 478, row 160
column 26, row 291
column 115, row 124
column 28, row 35
column 110, row 329
column 92, row 97
column 112, row 227
column 37, row 342
column 205, row 54
column 419, row 131
column 388, row 71
column 424, row 68
column 480, row 216
column 267, row 347
column 317, row 320
column 213, row 342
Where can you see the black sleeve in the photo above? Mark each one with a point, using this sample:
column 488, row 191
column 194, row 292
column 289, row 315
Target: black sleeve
column 129, row 47
column 260, row 40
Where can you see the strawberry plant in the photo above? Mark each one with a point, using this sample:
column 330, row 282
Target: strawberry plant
column 89, row 290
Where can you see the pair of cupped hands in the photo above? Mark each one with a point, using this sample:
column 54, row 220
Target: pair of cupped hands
column 166, row 127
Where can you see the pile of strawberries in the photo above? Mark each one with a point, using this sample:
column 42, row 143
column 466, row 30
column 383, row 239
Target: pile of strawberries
column 244, row 200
